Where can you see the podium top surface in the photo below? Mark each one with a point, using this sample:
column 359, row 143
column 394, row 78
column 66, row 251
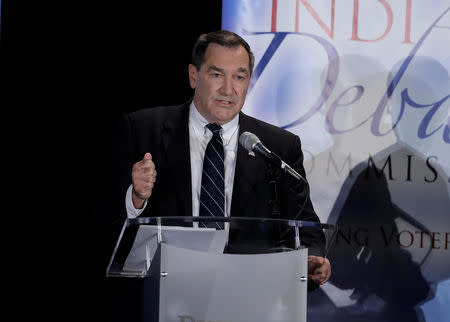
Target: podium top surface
column 141, row 236
column 171, row 220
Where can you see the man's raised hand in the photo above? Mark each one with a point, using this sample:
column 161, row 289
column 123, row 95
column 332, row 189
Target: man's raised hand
column 143, row 176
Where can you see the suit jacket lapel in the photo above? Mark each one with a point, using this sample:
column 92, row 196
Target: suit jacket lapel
column 175, row 138
column 244, row 176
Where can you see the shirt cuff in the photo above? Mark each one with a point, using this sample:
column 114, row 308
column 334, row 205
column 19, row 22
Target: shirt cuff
column 131, row 211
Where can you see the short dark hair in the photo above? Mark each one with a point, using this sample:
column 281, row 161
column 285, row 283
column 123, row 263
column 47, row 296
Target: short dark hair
column 223, row 38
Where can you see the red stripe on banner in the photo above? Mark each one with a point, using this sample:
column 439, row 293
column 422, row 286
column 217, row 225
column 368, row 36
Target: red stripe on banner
column 408, row 23
column 355, row 19
column 274, row 16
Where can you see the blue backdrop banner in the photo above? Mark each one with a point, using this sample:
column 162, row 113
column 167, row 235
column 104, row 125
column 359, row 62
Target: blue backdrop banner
column 366, row 86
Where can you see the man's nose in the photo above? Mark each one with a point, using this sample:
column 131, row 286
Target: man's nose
column 227, row 86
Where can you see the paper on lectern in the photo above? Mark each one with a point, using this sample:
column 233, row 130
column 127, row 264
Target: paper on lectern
column 146, row 243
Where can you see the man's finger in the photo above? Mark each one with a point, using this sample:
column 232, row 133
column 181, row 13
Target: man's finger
column 318, row 277
column 319, row 268
column 147, row 162
column 147, row 158
column 315, row 259
column 149, row 169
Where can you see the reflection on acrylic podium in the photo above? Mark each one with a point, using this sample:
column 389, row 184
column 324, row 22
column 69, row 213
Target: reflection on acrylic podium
column 189, row 273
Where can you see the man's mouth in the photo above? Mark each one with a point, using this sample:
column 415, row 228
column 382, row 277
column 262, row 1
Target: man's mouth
column 226, row 100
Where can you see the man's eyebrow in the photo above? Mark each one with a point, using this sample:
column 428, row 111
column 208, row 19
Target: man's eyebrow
column 217, row 69
column 242, row 70
column 221, row 70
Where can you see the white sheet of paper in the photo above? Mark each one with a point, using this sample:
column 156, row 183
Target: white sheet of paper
column 146, row 242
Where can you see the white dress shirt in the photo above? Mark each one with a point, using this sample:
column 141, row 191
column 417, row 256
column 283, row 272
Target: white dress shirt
column 199, row 136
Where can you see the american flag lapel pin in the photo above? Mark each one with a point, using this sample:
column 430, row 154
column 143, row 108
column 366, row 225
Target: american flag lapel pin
column 251, row 154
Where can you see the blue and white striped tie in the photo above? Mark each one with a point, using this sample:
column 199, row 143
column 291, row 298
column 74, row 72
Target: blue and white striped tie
column 212, row 194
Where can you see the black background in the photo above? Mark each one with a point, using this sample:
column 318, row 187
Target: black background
column 70, row 69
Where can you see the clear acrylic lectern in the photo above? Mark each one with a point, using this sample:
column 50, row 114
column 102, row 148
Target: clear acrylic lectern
column 232, row 274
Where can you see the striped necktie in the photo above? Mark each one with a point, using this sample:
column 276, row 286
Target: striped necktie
column 212, row 195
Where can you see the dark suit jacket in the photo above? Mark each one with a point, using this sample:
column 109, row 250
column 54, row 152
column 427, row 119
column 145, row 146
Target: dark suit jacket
column 163, row 131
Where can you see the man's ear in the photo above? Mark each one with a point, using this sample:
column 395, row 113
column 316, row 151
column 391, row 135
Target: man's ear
column 193, row 74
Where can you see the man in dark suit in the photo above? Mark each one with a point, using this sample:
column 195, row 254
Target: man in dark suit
column 165, row 148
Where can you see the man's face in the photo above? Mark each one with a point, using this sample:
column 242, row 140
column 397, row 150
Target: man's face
column 221, row 83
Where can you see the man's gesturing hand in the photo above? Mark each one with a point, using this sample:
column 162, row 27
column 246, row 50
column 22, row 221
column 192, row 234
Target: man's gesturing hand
column 143, row 176
column 319, row 269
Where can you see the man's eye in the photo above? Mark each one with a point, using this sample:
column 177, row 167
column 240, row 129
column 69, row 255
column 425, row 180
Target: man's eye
column 240, row 77
column 216, row 75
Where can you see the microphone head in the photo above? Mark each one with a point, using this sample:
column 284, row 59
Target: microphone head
column 248, row 140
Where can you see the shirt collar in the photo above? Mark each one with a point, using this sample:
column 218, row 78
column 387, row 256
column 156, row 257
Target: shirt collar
column 199, row 124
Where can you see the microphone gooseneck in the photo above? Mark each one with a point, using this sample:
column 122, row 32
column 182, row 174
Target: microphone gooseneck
column 252, row 143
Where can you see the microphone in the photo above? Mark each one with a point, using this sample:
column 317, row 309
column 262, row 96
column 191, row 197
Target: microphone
column 252, row 143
